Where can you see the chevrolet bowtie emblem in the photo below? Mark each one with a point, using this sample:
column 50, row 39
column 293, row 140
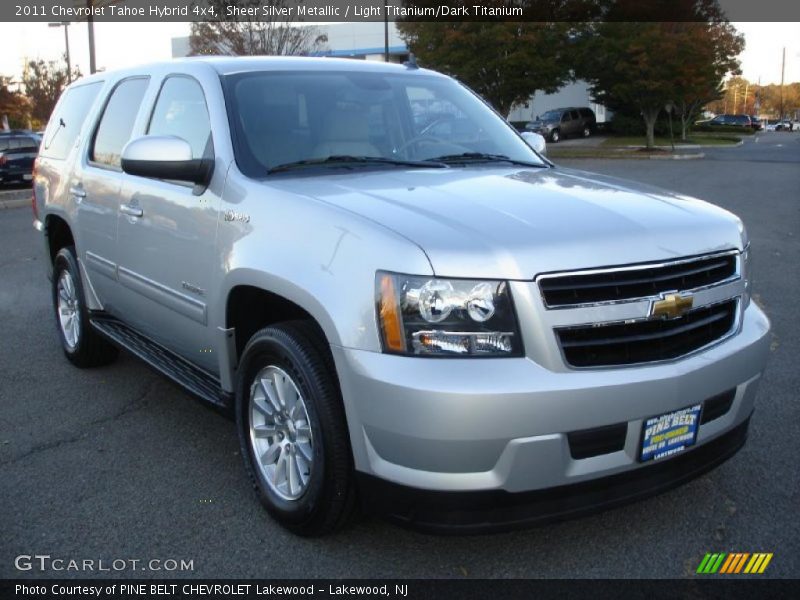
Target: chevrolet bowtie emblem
column 671, row 306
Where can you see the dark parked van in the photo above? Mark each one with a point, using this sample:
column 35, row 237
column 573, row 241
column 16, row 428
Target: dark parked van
column 564, row 122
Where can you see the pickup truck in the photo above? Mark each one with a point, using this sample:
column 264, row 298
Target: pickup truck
column 404, row 304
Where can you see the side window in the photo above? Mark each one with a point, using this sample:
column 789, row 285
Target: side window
column 117, row 122
column 181, row 111
column 4, row 140
column 574, row 114
column 565, row 118
column 67, row 120
column 28, row 143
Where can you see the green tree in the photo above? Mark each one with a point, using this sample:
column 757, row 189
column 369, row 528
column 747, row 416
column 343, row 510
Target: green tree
column 255, row 36
column 13, row 106
column 44, row 82
column 709, row 52
column 503, row 62
column 647, row 65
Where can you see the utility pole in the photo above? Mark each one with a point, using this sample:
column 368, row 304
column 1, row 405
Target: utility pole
column 783, row 66
column 385, row 32
column 90, row 25
column 65, row 25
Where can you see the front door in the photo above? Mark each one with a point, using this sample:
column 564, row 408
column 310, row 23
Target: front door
column 166, row 235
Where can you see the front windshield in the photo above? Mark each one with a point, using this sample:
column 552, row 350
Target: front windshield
column 551, row 115
column 282, row 118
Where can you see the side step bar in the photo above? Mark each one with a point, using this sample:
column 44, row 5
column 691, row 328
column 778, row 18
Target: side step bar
column 194, row 379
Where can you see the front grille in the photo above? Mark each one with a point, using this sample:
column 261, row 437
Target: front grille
column 630, row 283
column 646, row 341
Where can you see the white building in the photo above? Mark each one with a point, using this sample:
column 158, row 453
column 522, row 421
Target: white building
column 365, row 41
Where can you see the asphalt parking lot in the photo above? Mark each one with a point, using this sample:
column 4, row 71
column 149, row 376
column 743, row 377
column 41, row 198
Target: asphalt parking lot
column 119, row 463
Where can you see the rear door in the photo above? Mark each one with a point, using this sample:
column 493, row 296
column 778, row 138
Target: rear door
column 95, row 187
column 166, row 237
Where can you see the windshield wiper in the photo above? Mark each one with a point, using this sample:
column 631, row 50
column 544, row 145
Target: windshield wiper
column 343, row 161
column 483, row 157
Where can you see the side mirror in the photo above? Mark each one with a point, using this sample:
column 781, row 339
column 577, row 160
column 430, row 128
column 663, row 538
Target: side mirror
column 165, row 157
column 535, row 141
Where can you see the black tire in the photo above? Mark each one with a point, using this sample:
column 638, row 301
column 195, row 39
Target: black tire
column 329, row 500
column 587, row 131
column 90, row 349
column 555, row 135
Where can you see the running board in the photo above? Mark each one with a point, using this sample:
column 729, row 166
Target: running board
column 192, row 378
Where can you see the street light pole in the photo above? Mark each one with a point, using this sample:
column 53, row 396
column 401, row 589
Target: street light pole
column 65, row 25
column 90, row 25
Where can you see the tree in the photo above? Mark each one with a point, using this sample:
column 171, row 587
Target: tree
column 44, row 82
column 13, row 106
column 503, row 62
column 647, row 65
column 709, row 52
column 255, row 36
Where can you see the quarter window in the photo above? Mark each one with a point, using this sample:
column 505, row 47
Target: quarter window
column 181, row 111
column 117, row 122
column 67, row 120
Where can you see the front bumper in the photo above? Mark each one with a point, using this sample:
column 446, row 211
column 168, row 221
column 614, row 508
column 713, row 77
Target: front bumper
column 497, row 510
column 457, row 425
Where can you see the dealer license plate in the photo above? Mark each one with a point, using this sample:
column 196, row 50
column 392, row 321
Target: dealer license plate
column 669, row 434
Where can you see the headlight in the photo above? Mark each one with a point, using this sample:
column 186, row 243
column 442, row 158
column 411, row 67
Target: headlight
column 428, row 316
column 747, row 274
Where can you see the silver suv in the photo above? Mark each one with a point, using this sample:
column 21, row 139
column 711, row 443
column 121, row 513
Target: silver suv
column 406, row 307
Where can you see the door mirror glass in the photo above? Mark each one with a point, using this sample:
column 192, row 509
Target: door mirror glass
column 165, row 157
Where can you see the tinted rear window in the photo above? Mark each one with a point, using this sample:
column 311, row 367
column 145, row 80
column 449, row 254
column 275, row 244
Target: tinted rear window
column 67, row 120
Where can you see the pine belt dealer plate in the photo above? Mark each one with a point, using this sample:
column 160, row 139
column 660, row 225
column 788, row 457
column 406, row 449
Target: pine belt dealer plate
column 669, row 434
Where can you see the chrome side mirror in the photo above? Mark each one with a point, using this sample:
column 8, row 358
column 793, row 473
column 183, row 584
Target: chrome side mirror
column 535, row 141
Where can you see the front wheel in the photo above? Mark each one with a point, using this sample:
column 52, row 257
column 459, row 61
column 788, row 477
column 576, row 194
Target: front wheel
column 555, row 135
column 587, row 131
column 292, row 430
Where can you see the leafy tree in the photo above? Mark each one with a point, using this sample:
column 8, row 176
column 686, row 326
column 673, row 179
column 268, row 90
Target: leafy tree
column 709, row 52
column 254, row 36
column 647, row 65
column 44, row 82
column 13, row 106
column 503, row 62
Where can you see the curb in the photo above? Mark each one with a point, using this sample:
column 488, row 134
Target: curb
column 678, row 156
column 621, row 156
column 14, row 202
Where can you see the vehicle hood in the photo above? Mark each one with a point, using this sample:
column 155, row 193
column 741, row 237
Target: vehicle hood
column 513, row 223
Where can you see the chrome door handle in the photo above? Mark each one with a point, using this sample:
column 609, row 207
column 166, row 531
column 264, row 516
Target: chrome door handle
column 78, row 193
column 133, row 211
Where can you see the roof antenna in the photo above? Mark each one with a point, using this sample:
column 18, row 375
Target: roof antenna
column 411, row 63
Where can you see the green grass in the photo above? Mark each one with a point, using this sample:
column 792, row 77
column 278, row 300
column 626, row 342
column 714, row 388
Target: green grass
column 706, row 139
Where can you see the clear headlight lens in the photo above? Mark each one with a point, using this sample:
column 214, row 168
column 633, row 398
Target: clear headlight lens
column 747, row 274
column 429, row 316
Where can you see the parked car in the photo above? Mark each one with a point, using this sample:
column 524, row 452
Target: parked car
column 453, row 332
column 785, row 125
column 738, row 121
column 564, row 122
column 18, row 149
column 755, row 123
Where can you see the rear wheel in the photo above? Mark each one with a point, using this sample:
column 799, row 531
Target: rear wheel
column 292, row 430
column 555, row 135
column 587, row 131
column 82, row 345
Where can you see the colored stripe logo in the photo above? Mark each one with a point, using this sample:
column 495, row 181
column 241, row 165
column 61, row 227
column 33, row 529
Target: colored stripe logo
column 734, row 563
